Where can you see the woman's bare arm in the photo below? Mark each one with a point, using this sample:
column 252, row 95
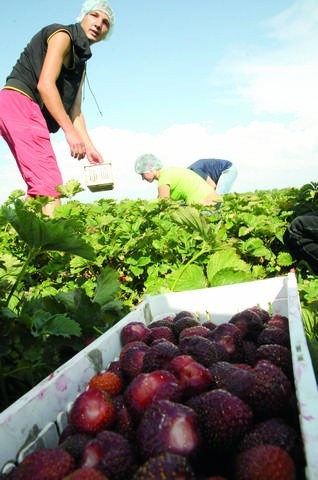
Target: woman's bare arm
column 164, row 191
column 58, row 51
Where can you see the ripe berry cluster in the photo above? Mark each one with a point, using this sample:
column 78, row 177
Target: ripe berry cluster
column 185, row 400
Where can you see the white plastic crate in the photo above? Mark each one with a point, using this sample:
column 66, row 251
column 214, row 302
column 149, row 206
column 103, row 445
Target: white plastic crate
column 99, row 177
column 36, row 419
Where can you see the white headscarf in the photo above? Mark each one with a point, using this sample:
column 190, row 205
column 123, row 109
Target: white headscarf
column 102, row 6
column 147, row 163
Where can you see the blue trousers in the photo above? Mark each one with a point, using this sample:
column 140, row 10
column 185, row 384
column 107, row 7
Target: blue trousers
column 226, row 180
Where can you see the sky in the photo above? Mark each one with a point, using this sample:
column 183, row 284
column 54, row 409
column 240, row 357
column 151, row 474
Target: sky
column 186, row 80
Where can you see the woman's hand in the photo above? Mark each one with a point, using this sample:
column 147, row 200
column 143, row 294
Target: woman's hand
column 94, row 156
column 76, row 144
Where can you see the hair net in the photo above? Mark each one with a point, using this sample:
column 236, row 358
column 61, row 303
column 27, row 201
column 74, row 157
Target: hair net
column 102, row 6
column 147, row 163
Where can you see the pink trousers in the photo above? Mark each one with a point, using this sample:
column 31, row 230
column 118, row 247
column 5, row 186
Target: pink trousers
column 24, row 128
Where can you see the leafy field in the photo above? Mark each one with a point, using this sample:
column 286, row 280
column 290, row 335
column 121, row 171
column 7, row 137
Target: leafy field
column 66, row 280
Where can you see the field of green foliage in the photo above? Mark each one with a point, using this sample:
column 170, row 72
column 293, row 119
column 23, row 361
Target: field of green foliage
column 66, row 280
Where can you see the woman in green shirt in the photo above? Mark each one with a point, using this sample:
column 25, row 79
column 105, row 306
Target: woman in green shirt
column 176, row 183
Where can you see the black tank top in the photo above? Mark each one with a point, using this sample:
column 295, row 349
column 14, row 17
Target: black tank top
column 26, row 72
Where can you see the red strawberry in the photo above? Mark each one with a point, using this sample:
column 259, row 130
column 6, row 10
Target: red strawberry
column 277, row 354
column 266, row 462
column 110, row 453
column 200, row 348
column 92, row 411
column 184, row 314
column 265, row 316
column 271, row 390
column 44, row 464
column 229, row 337
column 131, row 359
column 236, row 380
column 163, row 322
column 275, row 431
column 169, row 427
column 163, row 332
column 280, row 321
column 107, row 381
column 224, row 419
column 184, row 320
column 250, row 322
column 135, row 331
column 129, row 345
column 148, row 388
column 159, row 355
column 193, row 377
column 273, row 335
column 197, row 330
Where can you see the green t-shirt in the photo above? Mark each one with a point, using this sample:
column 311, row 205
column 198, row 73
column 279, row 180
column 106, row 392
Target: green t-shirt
column 184, row 184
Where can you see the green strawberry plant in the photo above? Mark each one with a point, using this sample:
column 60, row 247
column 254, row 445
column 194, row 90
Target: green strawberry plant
column 42, row 327
column 65, row 280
